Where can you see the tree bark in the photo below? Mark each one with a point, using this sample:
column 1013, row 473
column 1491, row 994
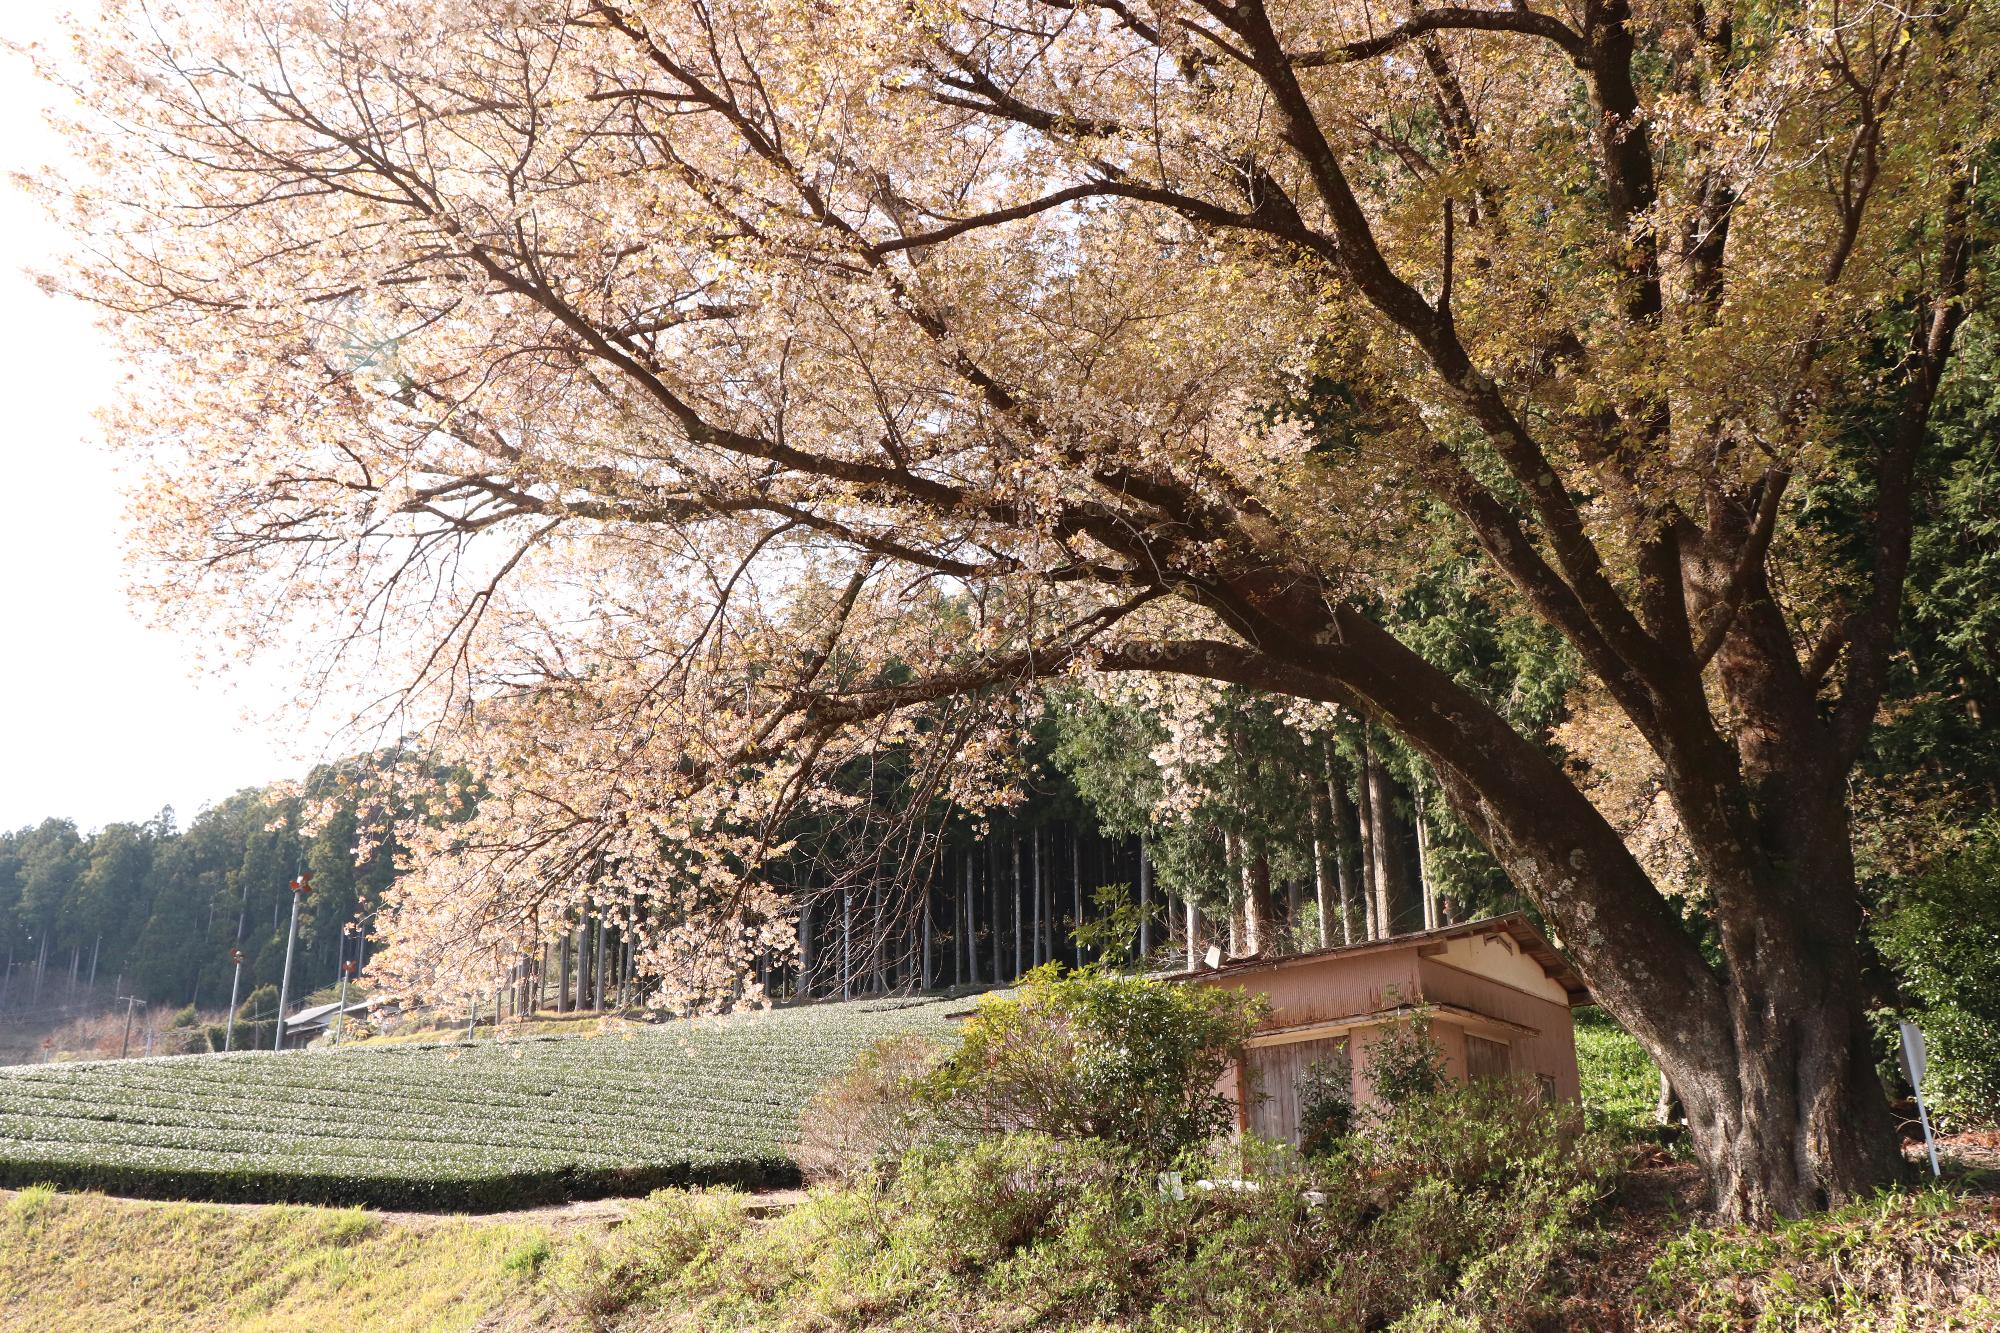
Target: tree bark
column 993, row 906
column 1771, row 1053
column 1233, row 890
column 1196, row 945
column 1259, row 928
column 971, row 927
column 1145, row 902
column 1364, row 837
column 1020, row 953
column 1076, row 889
column 1398, row 902
column 1041, row 940
column 807, row 954
column 563, row 974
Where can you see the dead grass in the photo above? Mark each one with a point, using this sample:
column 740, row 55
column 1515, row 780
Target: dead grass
column 96, row 1265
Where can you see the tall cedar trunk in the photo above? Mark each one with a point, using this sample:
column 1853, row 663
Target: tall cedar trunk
column 1191, row 931
column 1145, row 902
column 1398, row 900
column 806, row 954
column 1020, row 943
column 928, row 978
column 993, row 904
column 1322, row 844
column 1425, row 887
column 878, row 978
column 1364, row 841
column 1323, row 904
column 1346, row 835
column 846, row 944
column 1233, row 888
column 1259, row 924
column 562, row 976
column 1040, row 943
column 1076, row 890
column 971, row 927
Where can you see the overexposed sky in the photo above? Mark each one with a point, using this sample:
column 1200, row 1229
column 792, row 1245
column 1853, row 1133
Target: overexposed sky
column 100, row 716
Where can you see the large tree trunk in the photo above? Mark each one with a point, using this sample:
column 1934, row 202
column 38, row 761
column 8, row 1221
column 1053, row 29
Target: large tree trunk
column 1770, row 1051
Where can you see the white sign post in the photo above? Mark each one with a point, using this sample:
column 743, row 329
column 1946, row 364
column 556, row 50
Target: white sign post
column 1913, row 1065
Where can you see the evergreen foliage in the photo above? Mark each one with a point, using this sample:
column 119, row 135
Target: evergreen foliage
column 156, row 908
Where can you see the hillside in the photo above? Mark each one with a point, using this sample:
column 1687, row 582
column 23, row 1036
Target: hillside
column 495, row 1124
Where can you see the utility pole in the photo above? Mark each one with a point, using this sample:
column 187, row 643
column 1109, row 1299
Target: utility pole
column 132, row 1002
column 340, row 1014
column 300, row 888
column 229, row 1033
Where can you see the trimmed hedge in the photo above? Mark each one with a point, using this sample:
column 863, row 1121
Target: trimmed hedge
column 448, row 1126
column 468, row 1194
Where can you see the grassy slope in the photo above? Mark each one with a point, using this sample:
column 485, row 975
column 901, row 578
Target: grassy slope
column 1923, row 1263
column 495, row 1124
column 100, row 1265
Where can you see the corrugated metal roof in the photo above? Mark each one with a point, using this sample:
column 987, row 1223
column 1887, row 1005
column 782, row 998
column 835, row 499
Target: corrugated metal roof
column 1514, row 924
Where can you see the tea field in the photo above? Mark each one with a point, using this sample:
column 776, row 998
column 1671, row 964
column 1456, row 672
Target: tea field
column 497, row 1124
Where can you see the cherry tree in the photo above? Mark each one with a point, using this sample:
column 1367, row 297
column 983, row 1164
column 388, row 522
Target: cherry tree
column 686, row 398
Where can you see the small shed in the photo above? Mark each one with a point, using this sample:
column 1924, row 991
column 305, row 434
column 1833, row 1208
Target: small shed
column 306, row 1025
column 1498, row 997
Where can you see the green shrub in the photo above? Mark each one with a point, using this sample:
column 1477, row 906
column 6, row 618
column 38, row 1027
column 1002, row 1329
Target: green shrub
column 350, row 1225
column 1942, row 935
column 645, row 1258
column 261, row 1003
column 1454, row 1212
column 1326, row 1104
column 985, row 1201
column 25, row 1209
column 1405, row 1064
column 865, row 1119
column 184, row 1018
column 1090, row 1054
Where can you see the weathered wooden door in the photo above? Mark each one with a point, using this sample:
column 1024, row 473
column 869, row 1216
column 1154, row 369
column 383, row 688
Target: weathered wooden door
column 1275, row 1072
column 1485, row 1059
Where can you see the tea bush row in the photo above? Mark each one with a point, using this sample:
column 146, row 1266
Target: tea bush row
column 498, row 1124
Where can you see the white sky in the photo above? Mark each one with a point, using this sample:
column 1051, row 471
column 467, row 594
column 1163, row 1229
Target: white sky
column 100, row 717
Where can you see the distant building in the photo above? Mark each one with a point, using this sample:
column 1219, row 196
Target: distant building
column 1497, row 996
column 307, row 1024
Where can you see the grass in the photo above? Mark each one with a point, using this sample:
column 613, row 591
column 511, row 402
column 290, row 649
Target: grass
column 1914, row 1262
column 1621, row 1084
column 446, row 1125
column 97, row 1265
